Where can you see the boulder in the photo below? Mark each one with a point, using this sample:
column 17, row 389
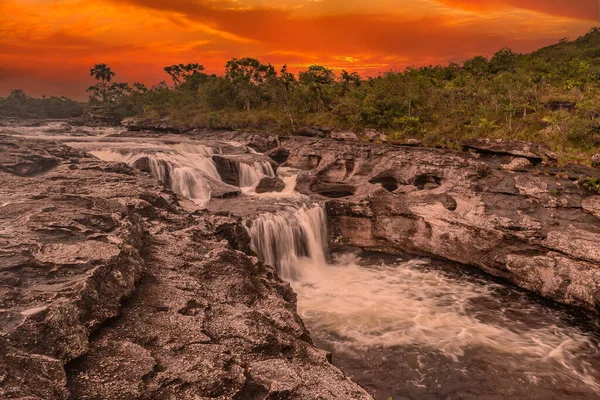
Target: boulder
column 268, row 184
column 279, row 154
column 344, row 135
column 518, row 164
column 408, row 142
column 371, row 135
column 312, row 131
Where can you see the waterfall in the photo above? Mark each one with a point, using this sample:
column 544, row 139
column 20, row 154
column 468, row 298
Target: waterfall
column 186, row 171
column 250, row 175
column 286, row 238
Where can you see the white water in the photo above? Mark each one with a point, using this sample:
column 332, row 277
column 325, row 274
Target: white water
column 250, row 175
column 286, row 238
column 185, row 170
column 357, row 309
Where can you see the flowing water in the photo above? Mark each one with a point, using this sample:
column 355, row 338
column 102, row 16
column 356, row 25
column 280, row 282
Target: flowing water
column 407, row 329
column 187, row 169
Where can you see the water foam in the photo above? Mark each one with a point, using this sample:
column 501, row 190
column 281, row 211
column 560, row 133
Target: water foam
column 186, row 169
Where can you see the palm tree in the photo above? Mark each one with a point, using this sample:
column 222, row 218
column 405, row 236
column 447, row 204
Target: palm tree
column 102, row 72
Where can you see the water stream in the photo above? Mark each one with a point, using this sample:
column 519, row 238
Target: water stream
column 406, row 329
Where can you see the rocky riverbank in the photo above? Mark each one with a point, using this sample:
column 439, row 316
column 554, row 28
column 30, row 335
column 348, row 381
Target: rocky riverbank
column 111, row 286
column 504, row 207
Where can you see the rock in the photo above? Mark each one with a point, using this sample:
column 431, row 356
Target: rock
column 592, row 205
column 221, row 190
column 461, row 207
column 408, row 142
column 206, row 321
column 312, row 131
column 333, row 190
column 268, row 184
column 152, row 124
column 279, row 155
column 518, row 164
column 534, row 152
column 304, row 181
column 371, row 135
column 596, row 160
column 344, row 135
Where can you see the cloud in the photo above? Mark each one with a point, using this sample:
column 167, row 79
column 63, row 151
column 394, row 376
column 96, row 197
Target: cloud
column 580, row 9
column 50, row 45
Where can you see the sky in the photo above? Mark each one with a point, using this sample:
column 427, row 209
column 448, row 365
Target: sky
column 48, row 46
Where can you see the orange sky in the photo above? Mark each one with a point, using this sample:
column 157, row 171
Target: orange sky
column 48, row 46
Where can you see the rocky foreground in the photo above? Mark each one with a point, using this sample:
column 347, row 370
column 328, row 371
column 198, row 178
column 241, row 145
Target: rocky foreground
column 112, row 287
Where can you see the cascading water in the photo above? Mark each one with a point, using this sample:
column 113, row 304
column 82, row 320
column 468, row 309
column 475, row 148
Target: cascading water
column 185, row 168
column 250, row 175
column 291, row 238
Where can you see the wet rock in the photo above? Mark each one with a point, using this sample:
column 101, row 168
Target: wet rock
column 279, row 155
column 268, row 184
column 305, row 181
column 143, row 164
column 228, row 170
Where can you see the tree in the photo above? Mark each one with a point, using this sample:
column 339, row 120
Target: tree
column 18, row 95
column 477, row 66
column 103, row 74
column 349, row 81
column 181, row 73
column 316, row 78
column 246, row 75
column 504, row 60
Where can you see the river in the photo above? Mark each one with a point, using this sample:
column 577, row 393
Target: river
column 402, row 327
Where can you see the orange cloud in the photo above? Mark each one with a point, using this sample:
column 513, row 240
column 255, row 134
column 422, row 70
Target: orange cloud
column 579, row 9
column 48, row 46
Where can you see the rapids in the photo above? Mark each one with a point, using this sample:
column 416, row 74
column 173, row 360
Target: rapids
column 409, row 329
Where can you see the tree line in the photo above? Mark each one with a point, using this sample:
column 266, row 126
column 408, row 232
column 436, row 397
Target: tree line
column 551, row 95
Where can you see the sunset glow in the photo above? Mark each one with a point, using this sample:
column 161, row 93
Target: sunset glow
column 47, row 46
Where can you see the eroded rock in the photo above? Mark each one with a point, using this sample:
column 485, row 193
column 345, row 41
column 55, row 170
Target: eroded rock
column 266, row 185
column 202, row 320
column 491, row 210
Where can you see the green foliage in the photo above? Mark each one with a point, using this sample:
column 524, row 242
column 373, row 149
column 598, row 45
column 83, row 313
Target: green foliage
column 19, row 104
column 592, row 184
